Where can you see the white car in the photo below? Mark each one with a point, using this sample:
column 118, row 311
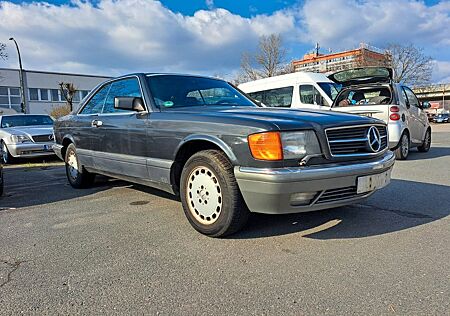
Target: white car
column 25, row 135
column 298, row 90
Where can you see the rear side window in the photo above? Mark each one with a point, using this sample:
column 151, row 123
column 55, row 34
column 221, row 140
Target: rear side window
column 280, row 97
column 121, row 88
column 310, row 95
column 95, row 104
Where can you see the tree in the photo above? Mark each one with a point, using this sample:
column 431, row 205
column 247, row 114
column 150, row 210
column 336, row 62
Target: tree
column 3, row 53
column 411, row 66
column 68, row 91
column 268, row 61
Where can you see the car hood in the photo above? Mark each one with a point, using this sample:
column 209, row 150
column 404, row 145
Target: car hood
column 288, row 119
column 29, row 130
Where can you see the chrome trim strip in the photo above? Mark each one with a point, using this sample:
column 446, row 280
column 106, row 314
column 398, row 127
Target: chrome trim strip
column 336, row 170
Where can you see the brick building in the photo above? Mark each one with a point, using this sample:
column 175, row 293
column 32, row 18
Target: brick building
column 326, row 63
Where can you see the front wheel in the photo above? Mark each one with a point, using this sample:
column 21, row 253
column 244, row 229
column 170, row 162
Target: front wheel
column 212, row 201
column 76, row 174
column 401, row 153
column 425, row 147
column 5, row 155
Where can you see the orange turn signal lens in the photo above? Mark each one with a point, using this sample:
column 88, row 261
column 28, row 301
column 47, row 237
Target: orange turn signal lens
column 266, row 146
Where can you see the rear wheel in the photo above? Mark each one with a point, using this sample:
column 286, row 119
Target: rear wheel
column 76, row 174
column 401, row 153
column 210, row 195
column 6, row 156
column 426, row 142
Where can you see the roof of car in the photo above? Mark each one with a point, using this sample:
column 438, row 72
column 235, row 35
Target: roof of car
column 297, row 76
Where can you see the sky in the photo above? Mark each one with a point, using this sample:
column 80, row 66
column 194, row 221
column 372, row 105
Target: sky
column 114, row 37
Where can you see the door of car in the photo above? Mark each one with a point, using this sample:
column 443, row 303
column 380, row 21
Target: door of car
column 122, row 133
column 311, row 97
column 84, row 129
column 418, row 116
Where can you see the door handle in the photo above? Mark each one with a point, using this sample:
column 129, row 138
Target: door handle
column 96, row 123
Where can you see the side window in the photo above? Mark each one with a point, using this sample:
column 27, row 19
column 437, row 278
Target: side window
column 121, row 88
column 411, row 97
column 257, row 96
column 95, row 104
column 310, row 95
column 281, row 97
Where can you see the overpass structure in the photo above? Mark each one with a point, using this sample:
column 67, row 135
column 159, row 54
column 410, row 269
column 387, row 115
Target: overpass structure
column 434, row 92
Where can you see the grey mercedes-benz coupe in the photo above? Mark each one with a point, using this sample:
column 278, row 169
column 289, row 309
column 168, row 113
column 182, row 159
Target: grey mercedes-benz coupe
column 205, row 140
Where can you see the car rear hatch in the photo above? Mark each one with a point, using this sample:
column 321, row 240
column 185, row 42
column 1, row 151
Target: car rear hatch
column 362, row 75
column 364, row 80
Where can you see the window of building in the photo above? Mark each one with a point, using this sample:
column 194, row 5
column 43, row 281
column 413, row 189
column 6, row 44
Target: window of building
column 10, row 98
column 33, row 94
column 44, row 94
column 76, row 97
column 84, row 93
column 55, row 95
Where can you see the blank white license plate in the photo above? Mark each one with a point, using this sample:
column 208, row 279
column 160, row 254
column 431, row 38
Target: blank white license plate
column 373, row 182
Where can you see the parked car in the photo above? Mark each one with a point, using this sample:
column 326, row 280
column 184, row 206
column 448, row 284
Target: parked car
column 201, row 138
column 371, row 91
column 298, row 90
column 441, row 118
column 25, row 135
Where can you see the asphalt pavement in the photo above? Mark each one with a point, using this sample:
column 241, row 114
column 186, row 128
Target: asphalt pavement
column 120, row 248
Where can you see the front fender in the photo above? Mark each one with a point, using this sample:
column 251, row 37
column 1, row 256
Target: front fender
column 212, row 139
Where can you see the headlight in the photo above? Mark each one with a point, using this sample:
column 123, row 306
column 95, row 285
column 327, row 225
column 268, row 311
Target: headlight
column 20, row 139
column 285, row 145
column 299, row 144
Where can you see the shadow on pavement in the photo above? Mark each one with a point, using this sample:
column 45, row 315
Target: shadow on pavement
column 401, row 205
column 30, row 186
column 435, row 152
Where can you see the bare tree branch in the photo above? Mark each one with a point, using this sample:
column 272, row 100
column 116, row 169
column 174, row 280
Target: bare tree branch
column 410, row 64
column 268, row 61
column 68, row 91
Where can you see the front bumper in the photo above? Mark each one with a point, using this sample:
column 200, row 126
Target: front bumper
column 270, row 190
column 26, row 150
column 58, row 151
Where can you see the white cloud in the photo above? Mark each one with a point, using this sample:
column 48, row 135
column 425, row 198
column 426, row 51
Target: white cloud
column 341, row 24
column 441, row 73
column 116, row 37
column 132, row 35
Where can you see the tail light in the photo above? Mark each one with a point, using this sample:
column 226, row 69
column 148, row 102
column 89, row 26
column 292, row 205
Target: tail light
column 394, row 109
column 394, row 115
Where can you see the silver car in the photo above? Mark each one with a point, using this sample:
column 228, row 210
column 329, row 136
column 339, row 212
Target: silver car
column 370, row 91
column 25, row 135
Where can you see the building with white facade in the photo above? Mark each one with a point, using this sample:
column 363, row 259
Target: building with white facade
column 42, row 89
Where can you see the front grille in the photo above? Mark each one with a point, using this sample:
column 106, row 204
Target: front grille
column 353, row 141
column 336, row 195
column 43, row 138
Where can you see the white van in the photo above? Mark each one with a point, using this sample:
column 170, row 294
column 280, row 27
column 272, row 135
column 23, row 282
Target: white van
column 297, row 90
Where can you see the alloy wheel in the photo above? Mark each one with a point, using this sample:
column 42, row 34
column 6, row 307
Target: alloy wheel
column 204, row 195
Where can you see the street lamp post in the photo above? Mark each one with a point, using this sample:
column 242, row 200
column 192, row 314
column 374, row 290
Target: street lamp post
column 22, row 86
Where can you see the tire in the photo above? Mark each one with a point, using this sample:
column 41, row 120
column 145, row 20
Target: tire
column 211, row 199
column 425, row 147
column 76, row 174
column 5, row 155
column 402, row 151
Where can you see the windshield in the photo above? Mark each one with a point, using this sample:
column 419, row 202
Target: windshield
column 170, row 91
column 330, row 88
column 26, row 120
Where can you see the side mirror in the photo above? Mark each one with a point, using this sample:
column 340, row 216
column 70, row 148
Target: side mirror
column 129, row 103
column 426, row 105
